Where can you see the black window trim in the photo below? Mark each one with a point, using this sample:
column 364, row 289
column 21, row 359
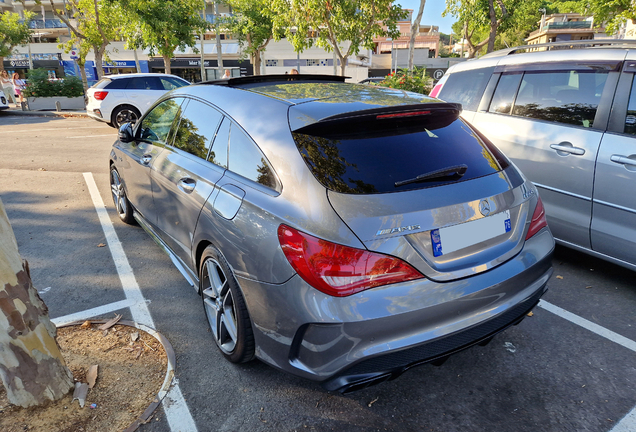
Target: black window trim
column 620, row 103
column 602, row 116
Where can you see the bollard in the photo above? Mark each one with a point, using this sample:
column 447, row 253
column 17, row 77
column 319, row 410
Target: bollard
column 58, row 106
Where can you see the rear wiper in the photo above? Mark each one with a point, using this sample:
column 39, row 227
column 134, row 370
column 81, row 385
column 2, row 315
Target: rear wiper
column 441, row 174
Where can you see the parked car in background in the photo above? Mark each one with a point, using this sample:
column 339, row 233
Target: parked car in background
column 4, row 103
column 567, row 118
column 340, row 232
column 119, row 99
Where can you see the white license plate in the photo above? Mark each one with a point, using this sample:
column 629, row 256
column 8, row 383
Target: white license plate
column 456, row 237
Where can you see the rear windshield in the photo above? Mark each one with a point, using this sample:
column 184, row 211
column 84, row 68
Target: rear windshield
column 374, row 159
column 102, row 83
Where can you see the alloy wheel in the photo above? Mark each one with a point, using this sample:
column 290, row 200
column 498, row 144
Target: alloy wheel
column 219, row 306
column 119, row 195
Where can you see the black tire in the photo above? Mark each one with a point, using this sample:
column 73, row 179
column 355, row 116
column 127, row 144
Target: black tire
column 122, row 206
column 124, row 114
column 225, row 308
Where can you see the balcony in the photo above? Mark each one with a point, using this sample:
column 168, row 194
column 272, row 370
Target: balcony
column 567, row 25
column 52, row 23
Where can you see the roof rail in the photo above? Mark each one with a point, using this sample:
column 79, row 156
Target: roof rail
column 578, row 44
column 255, row 79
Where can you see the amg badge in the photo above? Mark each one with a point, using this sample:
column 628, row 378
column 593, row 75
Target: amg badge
column 397, row 230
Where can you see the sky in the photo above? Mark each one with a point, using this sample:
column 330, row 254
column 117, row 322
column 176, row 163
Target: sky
column 432, row 13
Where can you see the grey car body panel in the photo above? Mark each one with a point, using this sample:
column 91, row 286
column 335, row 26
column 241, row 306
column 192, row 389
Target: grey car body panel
column 384, row 319
column 586, row 200
column 240, row 218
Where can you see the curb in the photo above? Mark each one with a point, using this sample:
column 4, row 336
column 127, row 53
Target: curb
column 45, row 113
column 168, row 380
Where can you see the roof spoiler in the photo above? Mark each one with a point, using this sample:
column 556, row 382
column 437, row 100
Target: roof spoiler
column 397, row 112
column 257, row 79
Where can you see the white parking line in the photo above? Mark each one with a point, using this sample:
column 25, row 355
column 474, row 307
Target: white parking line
column 51, row 129
column 91, row 136
column 176, row 409
column 589, row 325
column 90, row 313
column 628, row 423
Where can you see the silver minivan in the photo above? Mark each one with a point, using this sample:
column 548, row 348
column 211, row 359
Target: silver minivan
column 340, row 232
column 566, row 116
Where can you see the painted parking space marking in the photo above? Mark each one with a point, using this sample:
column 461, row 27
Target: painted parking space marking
column 93, row 136
column 175, row 408
column 589, row 325
column 50, row 129
column 627, row 423
column 90, row 313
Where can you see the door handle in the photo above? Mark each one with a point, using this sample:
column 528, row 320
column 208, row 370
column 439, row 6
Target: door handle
column 145, row 159
column 624, row 160
column 566, row 148
column 187, row 184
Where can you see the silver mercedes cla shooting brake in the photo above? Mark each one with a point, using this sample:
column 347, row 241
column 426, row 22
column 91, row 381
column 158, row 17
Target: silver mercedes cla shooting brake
column 340, row 232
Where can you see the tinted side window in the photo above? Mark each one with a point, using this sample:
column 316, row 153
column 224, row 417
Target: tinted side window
column 157, row 123
column 466, row 87
column 505, row 93
column 247, row 160
column 630, row 118
column 218, row 155
column 196, row 128
column 569, row 97
column 168, row 83
column 117, row 84
column 144, row 83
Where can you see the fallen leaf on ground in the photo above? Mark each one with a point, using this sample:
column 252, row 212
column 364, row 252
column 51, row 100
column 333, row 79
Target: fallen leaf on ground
column 91, row 376
column 134, row 336
column 86, row 324
column 373, row 401
column 559, row 277
column 588, row 287
column 101, row 245
column 530, row 313
column 111, row 322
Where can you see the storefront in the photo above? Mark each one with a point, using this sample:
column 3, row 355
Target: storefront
column 50, row 62
column 190, row 68
column 124, row 66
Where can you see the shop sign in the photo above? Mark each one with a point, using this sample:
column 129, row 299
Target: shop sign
column 19, row 63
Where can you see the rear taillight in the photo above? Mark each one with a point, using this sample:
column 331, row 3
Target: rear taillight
column 538, row 219
column 339, row 270
column 100, row 95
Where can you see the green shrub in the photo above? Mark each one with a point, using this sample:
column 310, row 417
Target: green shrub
column 416, row 82
column 39, row 85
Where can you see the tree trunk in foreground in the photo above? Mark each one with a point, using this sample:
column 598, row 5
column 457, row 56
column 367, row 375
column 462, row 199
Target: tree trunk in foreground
column 31, row 365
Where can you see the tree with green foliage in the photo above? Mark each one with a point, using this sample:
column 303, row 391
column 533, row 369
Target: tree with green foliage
column 162, row 26
column 14, row 31
column 91, row 22
column 480, row 20
column 252, row 25
column 415, row 28
column 611, row 13
column 330, row 24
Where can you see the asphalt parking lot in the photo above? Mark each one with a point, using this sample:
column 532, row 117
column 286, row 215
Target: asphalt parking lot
column 571, row 366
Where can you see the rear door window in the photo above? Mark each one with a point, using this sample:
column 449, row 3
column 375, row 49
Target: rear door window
column 569, row 97
column 505, row 93
column 375, row 159
column 466, row 87
column 144, row 83
column 196, row 128
column 246, row 159
column 630, row 118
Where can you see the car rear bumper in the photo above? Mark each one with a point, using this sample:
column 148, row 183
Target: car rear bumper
column 349, row 343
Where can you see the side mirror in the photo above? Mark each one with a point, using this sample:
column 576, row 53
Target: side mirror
column 126, row 133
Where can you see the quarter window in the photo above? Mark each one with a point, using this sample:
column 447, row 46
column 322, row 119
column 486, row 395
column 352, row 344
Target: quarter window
column 196, row 128
column 157, row 123
column 466, row 87
column 569, row 97
column 247, row 160
column 169, row 83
